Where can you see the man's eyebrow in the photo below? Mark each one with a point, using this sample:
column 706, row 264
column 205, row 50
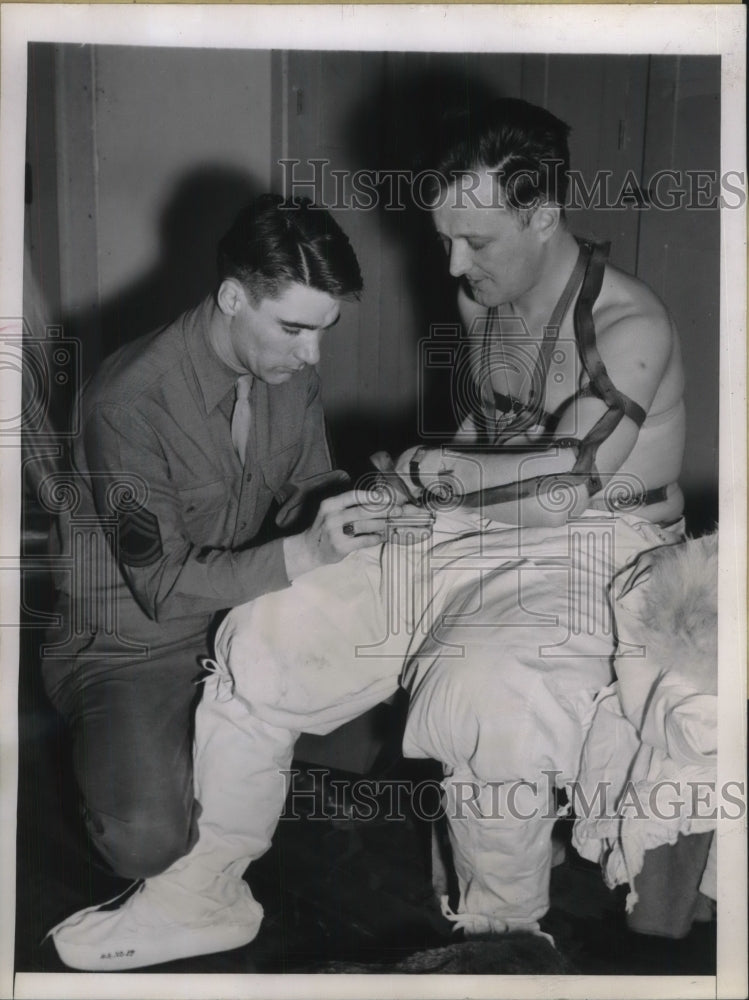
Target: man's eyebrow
column 468, row 234
column 306, row 326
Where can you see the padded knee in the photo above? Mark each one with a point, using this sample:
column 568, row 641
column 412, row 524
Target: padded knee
column 141, row 846
column 494, row 712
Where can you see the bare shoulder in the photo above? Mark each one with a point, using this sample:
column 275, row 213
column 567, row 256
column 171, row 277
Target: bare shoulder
column 629, row 310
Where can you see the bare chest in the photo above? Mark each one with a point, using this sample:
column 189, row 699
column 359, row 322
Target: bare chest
column 539, row 368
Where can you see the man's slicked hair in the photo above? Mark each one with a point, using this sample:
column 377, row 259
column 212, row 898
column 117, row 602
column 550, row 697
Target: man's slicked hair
column 275, row 242
column 525, row 145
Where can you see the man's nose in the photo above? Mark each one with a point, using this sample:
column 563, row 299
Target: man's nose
column 308, row 349
column 460, row 258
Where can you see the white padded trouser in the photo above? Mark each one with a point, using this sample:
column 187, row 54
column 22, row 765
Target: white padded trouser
column 505, row 640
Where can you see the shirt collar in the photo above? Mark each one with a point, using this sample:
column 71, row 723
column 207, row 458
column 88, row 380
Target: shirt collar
column 214, row 378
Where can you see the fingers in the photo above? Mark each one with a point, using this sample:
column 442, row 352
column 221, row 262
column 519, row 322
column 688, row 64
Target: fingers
column 356, row 527
column 409, row 468
column 341, row 529
column 403, row 462
column 364, row 541
column 382, row 461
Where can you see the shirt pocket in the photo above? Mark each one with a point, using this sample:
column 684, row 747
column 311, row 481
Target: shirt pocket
column 277, row 470
column 204, row 511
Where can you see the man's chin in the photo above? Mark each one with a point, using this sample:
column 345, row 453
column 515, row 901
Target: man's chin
column 279, row 377
column 479, row 291
column 481, row 295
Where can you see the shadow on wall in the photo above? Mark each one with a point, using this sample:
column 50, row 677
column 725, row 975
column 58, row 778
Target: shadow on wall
column 701, row 508
column 355, row 435
column 398, row 122
column 203, row 206
column 395, row 127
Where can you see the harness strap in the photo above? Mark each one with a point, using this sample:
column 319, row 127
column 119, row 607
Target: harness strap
column 618, row 404
column 543, row 484
column 585, row 334
column 533, row 411
column 592, row 260
column 632, row 409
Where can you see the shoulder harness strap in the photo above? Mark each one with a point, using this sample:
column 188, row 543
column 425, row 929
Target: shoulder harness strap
column 533, row 412
column 618, row 405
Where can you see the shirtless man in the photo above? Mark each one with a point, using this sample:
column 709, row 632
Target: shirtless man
column 512, row 641
column 514, row 256
column 576, row 423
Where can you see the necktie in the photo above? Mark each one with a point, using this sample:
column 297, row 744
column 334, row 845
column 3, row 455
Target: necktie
column 241, row 416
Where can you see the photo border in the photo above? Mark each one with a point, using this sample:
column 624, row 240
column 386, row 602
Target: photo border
column 696, row 29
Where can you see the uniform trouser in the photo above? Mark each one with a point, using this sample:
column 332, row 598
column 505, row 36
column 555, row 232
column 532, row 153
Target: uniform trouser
column 132, row 739
column 506, row 637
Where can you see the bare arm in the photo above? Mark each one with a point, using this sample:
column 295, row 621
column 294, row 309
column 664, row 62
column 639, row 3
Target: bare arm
column 635, row 349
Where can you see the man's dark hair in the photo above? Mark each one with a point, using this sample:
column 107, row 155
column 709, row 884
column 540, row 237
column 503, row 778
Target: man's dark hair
column 274, row 242
column 524, row 144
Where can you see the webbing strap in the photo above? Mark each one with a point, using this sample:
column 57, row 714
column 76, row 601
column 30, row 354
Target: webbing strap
column 592, row 259
column 585, row 334
column 508, row 492
column 533, row 412
column 618, row 405
column 563, row 303
column 632, row 409
column 544, row 484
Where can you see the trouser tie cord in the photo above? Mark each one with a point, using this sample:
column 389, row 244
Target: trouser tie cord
column 481, row 923
column 224, row 679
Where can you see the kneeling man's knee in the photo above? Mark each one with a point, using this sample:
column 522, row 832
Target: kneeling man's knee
column 141, row 846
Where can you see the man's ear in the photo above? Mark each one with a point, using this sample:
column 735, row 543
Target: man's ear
column 545, row 220
column 231, row 296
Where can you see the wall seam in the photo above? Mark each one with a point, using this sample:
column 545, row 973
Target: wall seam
column 95, row 152
column 643, row 160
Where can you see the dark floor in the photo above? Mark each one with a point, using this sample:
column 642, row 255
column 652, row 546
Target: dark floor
column 333, row 888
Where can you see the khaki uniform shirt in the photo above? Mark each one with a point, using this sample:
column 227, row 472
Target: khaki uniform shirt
column 161, row 533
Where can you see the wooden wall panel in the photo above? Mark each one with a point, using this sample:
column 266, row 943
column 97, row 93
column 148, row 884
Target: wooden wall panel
column 76, row 194
column 679, row 252
column 157, row 151
column 41, row 223
column 603, row 99
column 369, row 111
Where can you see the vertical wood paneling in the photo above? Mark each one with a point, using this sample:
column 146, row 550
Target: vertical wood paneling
column 41, row 225
column 76, row 188
column 376, row 371
column 360, row 364
column 41, row 280
column 175, row 128
column 679, row 251
column 366, row 111
column 603, row 99
column 158, row 149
